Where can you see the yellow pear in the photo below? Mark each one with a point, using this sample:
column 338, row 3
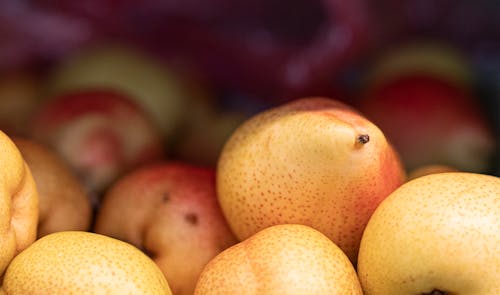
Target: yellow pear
column 437, row 234
column 314, row 161
column 18, row 202
column 283, row 259
column 78, row 262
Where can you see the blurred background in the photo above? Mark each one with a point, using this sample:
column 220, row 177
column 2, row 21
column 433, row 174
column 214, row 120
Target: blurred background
column 427, row 72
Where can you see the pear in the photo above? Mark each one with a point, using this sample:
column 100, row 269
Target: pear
column 80, row 262
column 314, row 161
column 101, row 134
column 283, row 259
column 172, row 214
column 437, row 234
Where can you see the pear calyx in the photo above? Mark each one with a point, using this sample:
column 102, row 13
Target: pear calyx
column 362, row 139
column 436, row 292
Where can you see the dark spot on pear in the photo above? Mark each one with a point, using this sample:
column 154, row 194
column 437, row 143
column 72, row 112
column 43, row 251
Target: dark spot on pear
column 165, row 198
column 191, row 218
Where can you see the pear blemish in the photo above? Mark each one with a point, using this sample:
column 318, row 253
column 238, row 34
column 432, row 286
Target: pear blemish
column 165, row 198
column 191, row 218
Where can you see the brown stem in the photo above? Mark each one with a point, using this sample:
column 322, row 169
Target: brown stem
column 362, row 139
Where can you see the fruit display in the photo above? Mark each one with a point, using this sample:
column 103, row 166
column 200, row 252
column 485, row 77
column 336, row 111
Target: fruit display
column 250, row 147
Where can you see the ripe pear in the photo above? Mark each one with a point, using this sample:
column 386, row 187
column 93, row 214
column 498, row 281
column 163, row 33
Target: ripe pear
column 282, row 259
column 314, row 161
column 63, row 201
column 172, row 214
column 18, row 203
column 437, row 234
column 78, row 262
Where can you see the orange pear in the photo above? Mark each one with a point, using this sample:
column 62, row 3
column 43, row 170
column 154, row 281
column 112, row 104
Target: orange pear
column 283, row 259
column 314, row 161
column 437, row 234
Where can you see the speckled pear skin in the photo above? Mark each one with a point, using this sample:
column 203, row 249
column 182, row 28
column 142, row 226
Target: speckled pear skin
column 313, row 161
column 436, row 232
column 78, row 262
column 283, row 259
